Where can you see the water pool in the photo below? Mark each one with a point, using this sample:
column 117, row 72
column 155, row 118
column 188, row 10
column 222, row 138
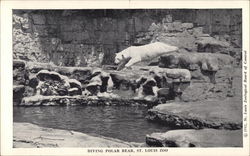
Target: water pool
column 121, row 122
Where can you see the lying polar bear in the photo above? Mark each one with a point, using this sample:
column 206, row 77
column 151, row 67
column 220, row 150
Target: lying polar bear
column 135, row 54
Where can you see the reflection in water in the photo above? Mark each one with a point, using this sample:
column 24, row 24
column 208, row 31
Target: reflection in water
column 125, row 123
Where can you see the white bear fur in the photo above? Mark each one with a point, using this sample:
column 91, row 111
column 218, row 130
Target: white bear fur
column 144, row 53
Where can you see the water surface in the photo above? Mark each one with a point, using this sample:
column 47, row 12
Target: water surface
column 121, row 122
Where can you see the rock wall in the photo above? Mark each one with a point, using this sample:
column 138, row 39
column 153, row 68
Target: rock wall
column 47, row 84
column 91, row 37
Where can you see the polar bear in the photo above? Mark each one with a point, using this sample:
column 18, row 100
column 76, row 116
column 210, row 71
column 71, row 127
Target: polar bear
column 143, row 53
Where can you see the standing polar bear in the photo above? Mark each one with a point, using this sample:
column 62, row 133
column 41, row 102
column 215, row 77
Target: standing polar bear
column 135, row 54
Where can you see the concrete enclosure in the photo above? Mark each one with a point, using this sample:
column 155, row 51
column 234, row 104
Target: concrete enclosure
column 92, row 37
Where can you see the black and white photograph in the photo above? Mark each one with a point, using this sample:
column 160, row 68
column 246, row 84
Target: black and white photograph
column 128, row 79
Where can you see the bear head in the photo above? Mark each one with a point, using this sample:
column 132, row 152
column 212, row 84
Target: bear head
column 119, row 57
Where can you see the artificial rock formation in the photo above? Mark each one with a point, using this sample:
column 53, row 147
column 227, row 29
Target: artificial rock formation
column 187, row 38
column 225, row 114
column 196, row 138
column 201, row 65
column 20, row 74
column 33, row 136
column 52, row 83
column 50, row 80
column 92, row 37
column 190, row 60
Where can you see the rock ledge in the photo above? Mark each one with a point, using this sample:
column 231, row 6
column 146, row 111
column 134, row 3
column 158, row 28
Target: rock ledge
column 32, row 136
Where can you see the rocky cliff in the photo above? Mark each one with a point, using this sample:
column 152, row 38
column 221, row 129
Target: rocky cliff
column 92, row 37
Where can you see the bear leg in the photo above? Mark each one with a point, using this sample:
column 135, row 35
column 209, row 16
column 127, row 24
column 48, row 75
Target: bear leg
column 132, row 61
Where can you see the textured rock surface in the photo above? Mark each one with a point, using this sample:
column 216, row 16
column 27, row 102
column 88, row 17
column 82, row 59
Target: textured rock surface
column 18, row 94
column 206, row 61
column 82, row 74
column 99, row 100
column 226, row 114
column 210, row 44
column 196, row 138
column 48, row 79
column 28, row 135
column 20, row 74
column 27, row 45
column 53, row 83
column 92, row 37
column 228, row 84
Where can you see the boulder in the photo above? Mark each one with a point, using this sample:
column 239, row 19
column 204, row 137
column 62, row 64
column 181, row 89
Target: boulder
column 197, row 31
column 196, row 138
column 177, row 26
column 102, row 80
column 202, row 65
column 187, row 25
column 167, row 19
column 74, row 91
column 174, row 80
column 50, row 87
column 93, row 88
column 187, row 60
column 18, row 94
column 177, row 75
column 147, row 89
column 210, row 44
column 33, row 82
column 223, row 114
column 29, row 91
column 75, row 84
column 18, row 63
column 52, row 83
column 121, row 82
column 153, row 27
column 44, row 75
column 165, row 94
column 20, row 74
column 81, row 74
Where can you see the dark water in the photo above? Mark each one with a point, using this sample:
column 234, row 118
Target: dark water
column 121, row 122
